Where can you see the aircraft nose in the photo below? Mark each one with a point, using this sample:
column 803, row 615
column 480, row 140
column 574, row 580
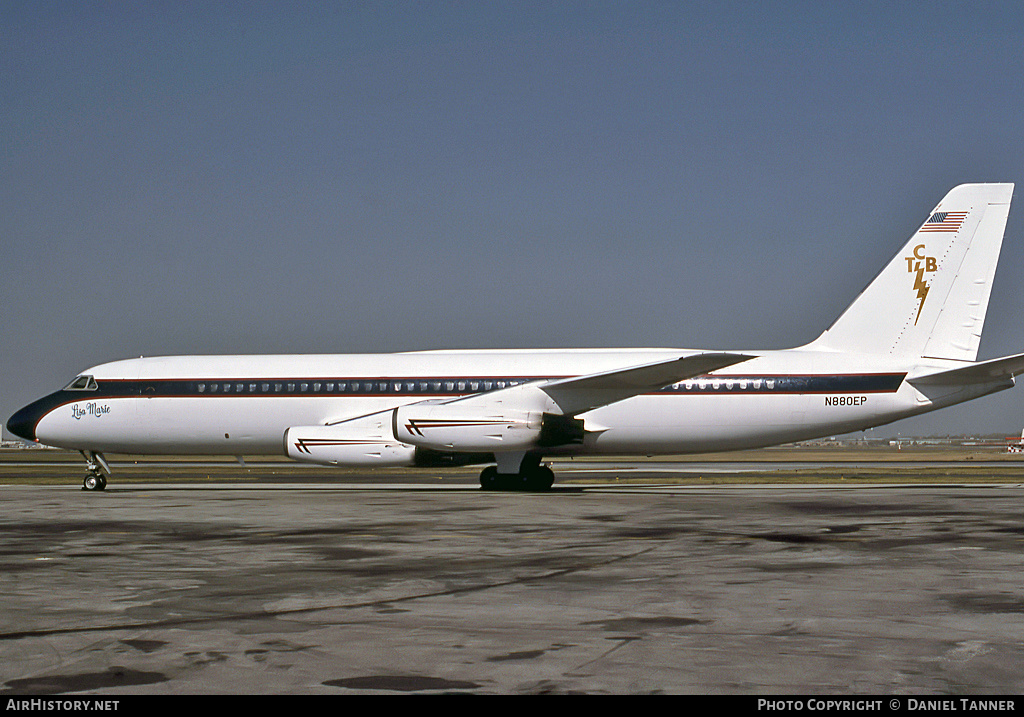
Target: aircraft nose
column 23, row 423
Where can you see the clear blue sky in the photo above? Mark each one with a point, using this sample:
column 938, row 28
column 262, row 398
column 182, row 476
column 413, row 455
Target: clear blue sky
column 359, row 177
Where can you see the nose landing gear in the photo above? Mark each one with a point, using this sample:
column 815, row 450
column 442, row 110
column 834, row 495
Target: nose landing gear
column 98, row 470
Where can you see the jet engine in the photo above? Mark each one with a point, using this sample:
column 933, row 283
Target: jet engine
column 346, row 444
column 464, row 428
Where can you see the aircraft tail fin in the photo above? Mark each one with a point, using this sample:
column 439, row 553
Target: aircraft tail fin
column 931, row 299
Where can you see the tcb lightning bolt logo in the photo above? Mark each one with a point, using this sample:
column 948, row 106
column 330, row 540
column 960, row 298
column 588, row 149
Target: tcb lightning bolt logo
column 920, row 264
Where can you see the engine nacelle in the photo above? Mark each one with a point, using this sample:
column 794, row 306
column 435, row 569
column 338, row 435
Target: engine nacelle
column 346, row 444
column 465, row 428
column 454, row 427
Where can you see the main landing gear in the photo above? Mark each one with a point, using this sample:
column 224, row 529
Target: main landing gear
column 530, row 477
column 98, row 470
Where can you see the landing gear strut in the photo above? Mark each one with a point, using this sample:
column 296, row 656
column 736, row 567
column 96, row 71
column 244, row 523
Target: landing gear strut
column 96, row 465
column 532, row 477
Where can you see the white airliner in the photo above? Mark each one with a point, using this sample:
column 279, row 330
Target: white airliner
column 908, row 344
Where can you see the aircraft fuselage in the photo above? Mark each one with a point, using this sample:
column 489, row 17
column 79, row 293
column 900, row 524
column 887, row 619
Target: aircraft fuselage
column 244, row 404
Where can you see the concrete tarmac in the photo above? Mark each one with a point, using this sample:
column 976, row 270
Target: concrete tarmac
column 359, row 588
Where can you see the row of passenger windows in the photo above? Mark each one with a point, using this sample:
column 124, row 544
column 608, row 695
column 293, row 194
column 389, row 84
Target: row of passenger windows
column 377, row 386
column 728, row 384
column 434, row 385
column 457, row 386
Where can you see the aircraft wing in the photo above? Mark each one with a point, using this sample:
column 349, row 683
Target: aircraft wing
column 982, row 372
column 521, row 417
column 578, row 394
column 539, row 413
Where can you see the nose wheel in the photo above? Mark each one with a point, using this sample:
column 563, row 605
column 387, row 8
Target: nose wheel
column 97, row 468
column 94, row 481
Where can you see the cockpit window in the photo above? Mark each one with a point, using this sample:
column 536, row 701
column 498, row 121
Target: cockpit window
column 82, row 383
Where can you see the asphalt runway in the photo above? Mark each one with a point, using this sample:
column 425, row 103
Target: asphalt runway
column 414, row 588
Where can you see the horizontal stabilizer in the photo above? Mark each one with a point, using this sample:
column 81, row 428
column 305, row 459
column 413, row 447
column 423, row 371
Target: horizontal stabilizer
column 982, row 372
column 582, row 393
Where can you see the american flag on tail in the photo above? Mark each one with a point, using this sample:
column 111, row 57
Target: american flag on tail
column 944, row 222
